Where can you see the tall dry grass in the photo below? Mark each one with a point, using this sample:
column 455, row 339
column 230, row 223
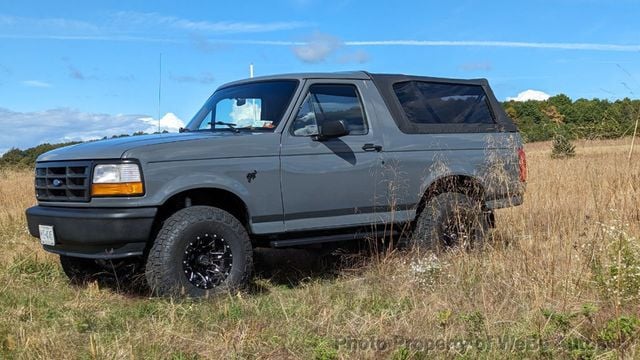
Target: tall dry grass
column 559, row 278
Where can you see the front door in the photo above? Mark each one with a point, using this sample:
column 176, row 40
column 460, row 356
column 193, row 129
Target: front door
column 334, row 182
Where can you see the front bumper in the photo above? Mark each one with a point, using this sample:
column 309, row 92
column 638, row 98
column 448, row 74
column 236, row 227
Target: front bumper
column 96, row 233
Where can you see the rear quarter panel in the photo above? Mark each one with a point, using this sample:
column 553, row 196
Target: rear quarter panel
column 415, row 161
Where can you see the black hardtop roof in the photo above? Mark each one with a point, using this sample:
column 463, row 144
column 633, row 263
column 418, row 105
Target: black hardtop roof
column 384, row 83
column 394, row 78
column 357, row 75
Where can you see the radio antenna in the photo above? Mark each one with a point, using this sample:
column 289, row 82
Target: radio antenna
column 159, row 90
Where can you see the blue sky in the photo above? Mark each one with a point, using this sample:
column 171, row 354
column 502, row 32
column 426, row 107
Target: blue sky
column 87, row 69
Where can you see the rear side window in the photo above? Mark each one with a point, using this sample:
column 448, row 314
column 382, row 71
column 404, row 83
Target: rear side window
column 329, row 103
column 441, row 103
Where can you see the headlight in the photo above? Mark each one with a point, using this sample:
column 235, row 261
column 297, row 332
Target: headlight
column 117, row 180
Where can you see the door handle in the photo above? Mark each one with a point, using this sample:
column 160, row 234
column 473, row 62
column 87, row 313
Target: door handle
column 372, row 147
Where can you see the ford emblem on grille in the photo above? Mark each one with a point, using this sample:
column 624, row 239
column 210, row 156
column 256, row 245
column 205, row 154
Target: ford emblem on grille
column 57, row 182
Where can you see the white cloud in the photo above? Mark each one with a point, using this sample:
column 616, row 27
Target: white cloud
column 317, row 48
column 134, row 26
column 36, row 84
column 48, row 24
column 108, row 37
column 58, row 125
column 169, row 122
column 127, row 26
column 74, row 72
column 507, row 44
column 358, row 56
column 320, row 46
column 128, row 18
column 234, row 27
column 203, row 78
column 530, row 95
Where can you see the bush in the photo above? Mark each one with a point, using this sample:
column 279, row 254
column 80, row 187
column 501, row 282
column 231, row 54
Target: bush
column 562, row 147
column 620, row 331
column 617, row 273
column 16, row 158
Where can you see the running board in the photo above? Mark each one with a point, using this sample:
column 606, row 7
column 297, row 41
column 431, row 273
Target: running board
column 330, row 238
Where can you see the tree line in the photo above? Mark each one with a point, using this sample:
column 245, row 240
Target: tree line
column 27, row 158
column 537, row 121
column 579, row 119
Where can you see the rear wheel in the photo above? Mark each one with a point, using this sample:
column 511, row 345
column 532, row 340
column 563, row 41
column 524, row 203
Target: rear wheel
column 200, row 251
column 450, row 220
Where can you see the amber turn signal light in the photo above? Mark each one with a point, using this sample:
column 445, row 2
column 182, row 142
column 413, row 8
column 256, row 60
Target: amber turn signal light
column 117, row 189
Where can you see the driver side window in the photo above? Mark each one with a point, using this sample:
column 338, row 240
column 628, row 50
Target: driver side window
column 330, row 103
column 306, row 123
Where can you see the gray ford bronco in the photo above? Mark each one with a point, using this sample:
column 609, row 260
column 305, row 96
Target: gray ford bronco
column 281, row 161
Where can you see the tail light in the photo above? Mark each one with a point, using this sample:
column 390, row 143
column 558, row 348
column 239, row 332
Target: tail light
column 522, row 164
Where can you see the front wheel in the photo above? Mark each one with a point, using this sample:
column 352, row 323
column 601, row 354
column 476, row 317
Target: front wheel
column 450, row 220
column 200, row 251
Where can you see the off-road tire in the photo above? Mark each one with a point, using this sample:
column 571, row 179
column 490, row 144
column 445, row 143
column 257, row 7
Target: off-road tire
column 446, row 214
column 164, row 269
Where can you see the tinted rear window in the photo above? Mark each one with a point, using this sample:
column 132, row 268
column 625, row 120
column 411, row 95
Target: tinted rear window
column 440, row 103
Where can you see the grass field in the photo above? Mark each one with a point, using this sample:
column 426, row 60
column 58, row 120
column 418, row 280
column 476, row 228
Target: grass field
column 559, row 278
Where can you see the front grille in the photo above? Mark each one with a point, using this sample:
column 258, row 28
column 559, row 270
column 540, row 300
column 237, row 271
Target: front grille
column 63, row 181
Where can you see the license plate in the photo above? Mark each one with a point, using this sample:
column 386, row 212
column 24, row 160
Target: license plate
column 46, row 235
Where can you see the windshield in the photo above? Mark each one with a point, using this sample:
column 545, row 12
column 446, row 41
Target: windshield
column 252, row 106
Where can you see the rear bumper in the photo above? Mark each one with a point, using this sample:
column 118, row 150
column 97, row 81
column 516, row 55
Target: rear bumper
column 97, row 233
column 507, row 201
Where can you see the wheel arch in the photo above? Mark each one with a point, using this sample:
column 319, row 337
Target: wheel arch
column 209, row 196
column 459, row 183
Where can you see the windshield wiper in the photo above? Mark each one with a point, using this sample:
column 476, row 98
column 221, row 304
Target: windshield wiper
column 251, row 128
column 231, row 126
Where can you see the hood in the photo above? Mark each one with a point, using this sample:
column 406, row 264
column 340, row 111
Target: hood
column 115, row 148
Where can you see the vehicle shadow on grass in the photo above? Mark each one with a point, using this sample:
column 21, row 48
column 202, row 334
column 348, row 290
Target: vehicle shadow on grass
column 293, row 266
column 288, row 267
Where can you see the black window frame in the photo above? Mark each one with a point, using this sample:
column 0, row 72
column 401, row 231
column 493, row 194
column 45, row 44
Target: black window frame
column 308, row 92
column 384, row 83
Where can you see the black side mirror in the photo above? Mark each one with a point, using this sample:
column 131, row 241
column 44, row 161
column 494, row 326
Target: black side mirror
column 332, row 129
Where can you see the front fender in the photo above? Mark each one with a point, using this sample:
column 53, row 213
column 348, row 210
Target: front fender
column 200, row 181
column 254, row 180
